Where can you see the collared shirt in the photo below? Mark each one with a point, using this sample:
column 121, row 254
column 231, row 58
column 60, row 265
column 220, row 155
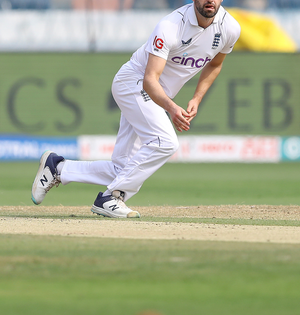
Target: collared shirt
column 186, row 46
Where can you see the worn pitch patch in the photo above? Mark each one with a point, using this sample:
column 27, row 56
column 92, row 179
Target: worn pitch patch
column 129, row 229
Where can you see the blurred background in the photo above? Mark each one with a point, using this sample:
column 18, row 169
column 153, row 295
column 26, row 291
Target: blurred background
column 58, row 59
column 137, row 4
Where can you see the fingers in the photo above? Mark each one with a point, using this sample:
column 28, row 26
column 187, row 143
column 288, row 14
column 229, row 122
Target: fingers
column 189, row 119
column 185, row 113
column 180, row 119
column 192, row 115
column 181, row 123
column 192, row 110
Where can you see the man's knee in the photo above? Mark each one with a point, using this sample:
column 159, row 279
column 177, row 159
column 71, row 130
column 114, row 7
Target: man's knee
column 174, row 145
column 166, row 146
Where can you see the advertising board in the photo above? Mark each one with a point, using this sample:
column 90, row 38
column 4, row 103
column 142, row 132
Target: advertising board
column 70, row 95
column 197, row 149
column 22, row 148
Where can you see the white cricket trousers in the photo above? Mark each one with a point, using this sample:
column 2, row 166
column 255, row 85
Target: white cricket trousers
column 145, row 141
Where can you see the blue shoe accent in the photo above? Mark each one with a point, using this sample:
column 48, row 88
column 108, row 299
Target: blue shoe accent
column 112, row 206
column 46, row 176
column 52, row 161
column 100, row 200
column 34, row 201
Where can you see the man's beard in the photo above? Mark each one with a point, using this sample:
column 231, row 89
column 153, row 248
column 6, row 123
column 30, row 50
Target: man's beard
column 204, row 13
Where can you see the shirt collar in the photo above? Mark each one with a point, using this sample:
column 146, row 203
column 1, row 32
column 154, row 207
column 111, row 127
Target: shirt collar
column 193, row 18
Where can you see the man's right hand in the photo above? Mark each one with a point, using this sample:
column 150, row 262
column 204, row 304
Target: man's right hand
column 180, row 118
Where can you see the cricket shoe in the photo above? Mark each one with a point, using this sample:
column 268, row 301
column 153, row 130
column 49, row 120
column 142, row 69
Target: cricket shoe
column 112, row 206
column 46, row 177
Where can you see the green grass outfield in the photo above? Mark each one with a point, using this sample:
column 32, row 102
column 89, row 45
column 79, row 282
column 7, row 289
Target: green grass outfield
column 173, row 184
column 74, row 275
column 79, row 275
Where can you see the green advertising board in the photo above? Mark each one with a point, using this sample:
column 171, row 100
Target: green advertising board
column 69, row 95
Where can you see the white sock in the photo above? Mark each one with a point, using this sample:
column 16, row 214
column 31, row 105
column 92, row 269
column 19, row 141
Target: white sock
column 60, row 166
column 106, row 193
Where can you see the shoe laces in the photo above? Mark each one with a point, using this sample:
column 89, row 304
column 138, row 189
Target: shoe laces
column 55, row 182
column 119, row 197
column 118, row 194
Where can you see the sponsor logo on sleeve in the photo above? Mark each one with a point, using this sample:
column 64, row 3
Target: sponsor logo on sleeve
column 158, row 43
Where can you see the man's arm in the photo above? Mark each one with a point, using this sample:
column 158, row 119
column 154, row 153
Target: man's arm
column 153, row 88
column 207, row 77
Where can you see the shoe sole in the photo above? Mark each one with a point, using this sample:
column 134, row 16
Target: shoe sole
column 109, row 214
column 43, row 160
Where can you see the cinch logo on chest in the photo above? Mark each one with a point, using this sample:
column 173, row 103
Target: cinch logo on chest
column 191, row 62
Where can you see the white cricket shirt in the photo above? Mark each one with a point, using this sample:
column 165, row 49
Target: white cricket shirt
column 186, row 46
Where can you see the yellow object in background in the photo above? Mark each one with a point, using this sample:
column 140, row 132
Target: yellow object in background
column 260, row 33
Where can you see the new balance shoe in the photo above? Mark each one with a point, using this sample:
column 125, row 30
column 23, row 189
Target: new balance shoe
column 112, row 206
column 46, row 177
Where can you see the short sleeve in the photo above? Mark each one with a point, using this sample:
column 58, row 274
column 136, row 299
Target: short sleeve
column 233, row 36
column 161, row 40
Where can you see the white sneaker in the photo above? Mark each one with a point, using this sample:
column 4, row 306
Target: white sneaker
column 112, row 206
column 46, row 176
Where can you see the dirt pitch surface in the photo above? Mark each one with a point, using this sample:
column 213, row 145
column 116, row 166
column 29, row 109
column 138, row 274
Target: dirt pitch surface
column 78, row 221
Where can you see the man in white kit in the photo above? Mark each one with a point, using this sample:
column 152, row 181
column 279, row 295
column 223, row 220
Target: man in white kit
column 192, row 38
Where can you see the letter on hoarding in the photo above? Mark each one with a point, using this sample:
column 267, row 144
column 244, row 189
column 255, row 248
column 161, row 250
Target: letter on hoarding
column 71, row 105
column 12, row 106
column 278, row 115
column 235, row 104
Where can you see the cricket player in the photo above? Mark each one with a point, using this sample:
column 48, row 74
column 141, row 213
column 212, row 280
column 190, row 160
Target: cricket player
column 193, row 38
